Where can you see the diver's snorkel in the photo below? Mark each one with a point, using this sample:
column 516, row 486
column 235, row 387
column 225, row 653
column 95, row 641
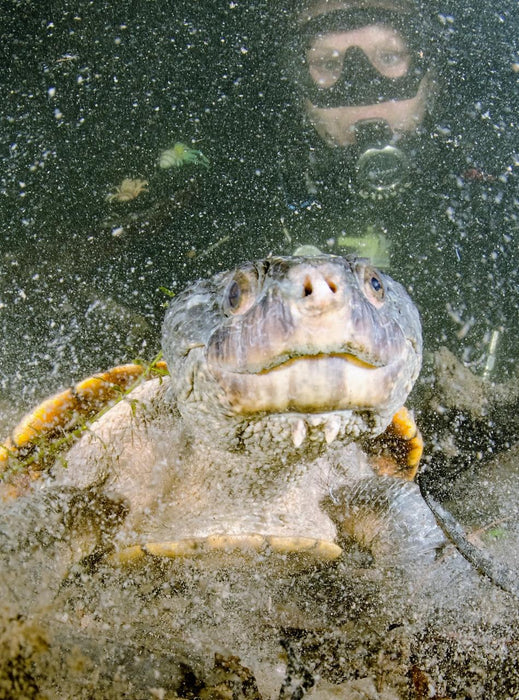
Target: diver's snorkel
column 377, row 166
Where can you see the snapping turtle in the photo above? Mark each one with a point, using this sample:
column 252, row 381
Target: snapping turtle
column 278, row 371
column 259, row 454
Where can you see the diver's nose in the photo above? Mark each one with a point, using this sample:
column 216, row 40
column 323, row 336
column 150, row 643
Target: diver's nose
column 317, row 288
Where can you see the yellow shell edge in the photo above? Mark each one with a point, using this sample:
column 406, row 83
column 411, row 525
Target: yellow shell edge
column 196, row 547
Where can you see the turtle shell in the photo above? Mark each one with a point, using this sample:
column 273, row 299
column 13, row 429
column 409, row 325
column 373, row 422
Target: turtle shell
column 58, row 421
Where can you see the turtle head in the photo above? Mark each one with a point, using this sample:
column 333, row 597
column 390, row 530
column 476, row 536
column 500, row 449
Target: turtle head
column 321, row 338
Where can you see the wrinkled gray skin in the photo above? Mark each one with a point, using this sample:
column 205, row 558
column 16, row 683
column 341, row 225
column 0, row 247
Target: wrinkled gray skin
column 301, row 569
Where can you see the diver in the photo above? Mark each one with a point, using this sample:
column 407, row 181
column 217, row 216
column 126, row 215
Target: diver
column 368, row 161
column 356, row 134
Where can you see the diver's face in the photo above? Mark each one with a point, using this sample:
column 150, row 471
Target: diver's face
column 387, row 52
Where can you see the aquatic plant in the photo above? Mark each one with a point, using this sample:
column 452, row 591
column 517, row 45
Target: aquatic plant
column 372, row 245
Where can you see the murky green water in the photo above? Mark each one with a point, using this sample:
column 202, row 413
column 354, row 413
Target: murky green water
column 95, row 93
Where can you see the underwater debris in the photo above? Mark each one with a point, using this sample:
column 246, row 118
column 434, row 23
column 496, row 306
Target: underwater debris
column 129, row 189
column 180, row 155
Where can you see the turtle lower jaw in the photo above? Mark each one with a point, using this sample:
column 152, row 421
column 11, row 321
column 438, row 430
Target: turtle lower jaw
column 317, row 384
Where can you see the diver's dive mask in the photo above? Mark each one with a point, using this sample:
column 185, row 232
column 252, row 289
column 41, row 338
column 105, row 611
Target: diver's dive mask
column 359, row 81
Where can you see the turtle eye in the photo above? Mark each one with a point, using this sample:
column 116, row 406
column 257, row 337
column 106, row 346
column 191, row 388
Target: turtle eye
column 234, row 295
column 240, row 293
column 372, row 285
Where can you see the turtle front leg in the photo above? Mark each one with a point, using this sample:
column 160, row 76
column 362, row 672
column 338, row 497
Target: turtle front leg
column 388, row 518
column 44, row 535
column 386, row 515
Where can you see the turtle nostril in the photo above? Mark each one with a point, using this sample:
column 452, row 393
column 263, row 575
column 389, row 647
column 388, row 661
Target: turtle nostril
column 307, row 287
column 332, row 285
column 318, row 286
